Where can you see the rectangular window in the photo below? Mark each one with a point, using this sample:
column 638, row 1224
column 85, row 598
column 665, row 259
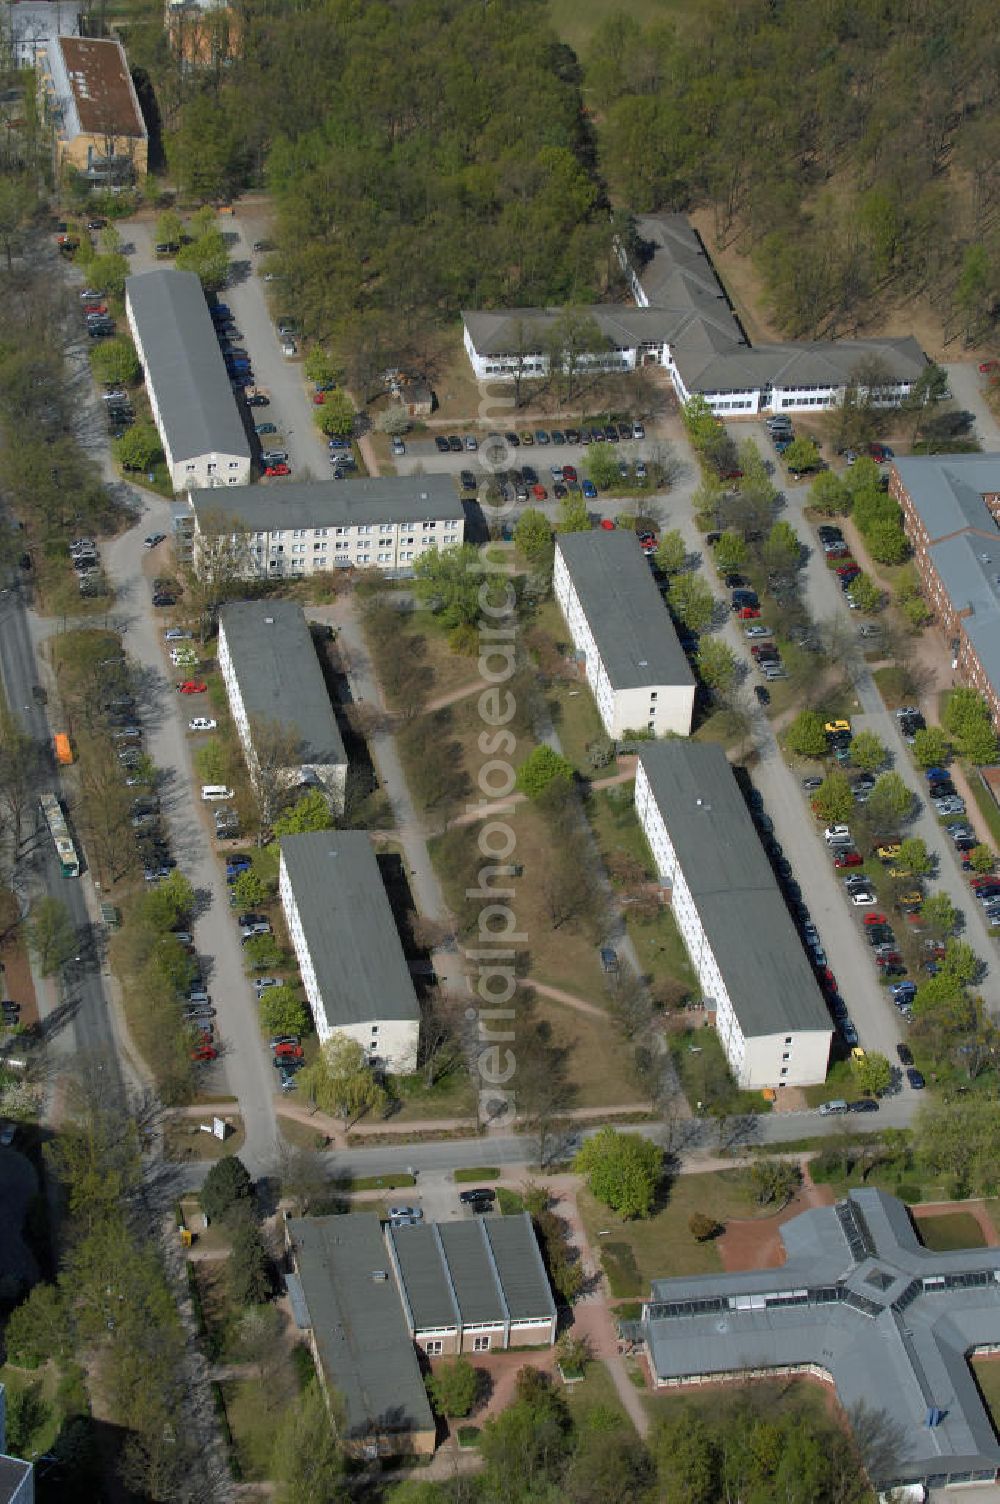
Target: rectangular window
column 480, row 1344
column 434, row 1347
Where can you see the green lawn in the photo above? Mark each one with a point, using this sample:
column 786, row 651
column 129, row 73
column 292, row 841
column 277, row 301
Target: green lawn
column 253, row 1410
column 986, row 1372
column 450, row 1096
column 771, row 1397
column 575, row 718
column 45, row 1383
column 985, row 801
column 949, row 1231
column 635, row 1253
column 596, row 1391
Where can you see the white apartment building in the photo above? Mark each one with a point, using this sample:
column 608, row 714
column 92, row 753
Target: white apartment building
column 194, row 409
column 635, row 666
column 682, row 321
column 311, row 527
column 347, row 946
column 272, row 676
column 755, row 978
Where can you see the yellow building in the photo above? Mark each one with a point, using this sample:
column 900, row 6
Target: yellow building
column 91, row 102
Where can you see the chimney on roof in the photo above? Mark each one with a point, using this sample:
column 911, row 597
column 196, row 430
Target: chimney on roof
column 269, row 621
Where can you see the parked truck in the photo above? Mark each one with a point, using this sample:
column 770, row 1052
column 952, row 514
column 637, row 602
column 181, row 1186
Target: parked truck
column 64, row 749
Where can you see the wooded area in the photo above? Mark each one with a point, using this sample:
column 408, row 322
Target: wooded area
column 851, row 148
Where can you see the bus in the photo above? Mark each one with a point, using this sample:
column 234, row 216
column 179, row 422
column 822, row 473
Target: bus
column 59, row 831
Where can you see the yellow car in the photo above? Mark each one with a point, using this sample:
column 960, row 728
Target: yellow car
column 886, row 853
column 900, row 872
column 915, row 898
column 857, row 1053
column 832, row 727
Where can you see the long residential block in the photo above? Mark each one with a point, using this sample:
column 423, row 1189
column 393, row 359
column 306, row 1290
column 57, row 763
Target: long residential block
column 755, row 979
column 194, row 409
column 310, row 527
column 348, row 949
column 951, row 513
column 275, row 684
column 635, row 666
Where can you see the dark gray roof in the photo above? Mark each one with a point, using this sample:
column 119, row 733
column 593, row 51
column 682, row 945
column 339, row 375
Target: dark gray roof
column 334, row 503
column 632, row 627
column 510, row 330
column 12, row 1475
column 280, row 678
column 808, row 363
column 425, row 1282
column 480, row 1270
column 473, row 1275
column 769, row 981
column 519, row 1264
column 358, row 1324
column 184, row 365
column 349, row 927
column 890, row 1320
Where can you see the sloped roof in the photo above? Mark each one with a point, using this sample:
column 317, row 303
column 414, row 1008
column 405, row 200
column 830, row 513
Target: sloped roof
column 806, row 363
column 632, row 627
column 770, row 983
column 890, row 1320
column 101, row 85
column 334, row 503
column 184, row 366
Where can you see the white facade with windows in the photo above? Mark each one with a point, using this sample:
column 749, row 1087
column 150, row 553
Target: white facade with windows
column 754, row 977
column 317, row 527
column 349, row 953
column 636, row 669
column 195, row 412
column 272, row 677
column 682, row 320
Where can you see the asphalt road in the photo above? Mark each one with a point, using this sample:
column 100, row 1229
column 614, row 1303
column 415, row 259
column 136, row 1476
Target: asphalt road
column 244, row 1069
column 81, row 1022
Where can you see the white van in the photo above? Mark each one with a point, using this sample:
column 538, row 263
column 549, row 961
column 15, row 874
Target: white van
column 215, row 791
column 837, row 1105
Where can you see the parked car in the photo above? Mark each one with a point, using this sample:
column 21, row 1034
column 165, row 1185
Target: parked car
column 202, row 723
column 192, row 687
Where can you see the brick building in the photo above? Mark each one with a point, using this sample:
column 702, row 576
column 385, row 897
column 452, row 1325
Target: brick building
column 951, row 512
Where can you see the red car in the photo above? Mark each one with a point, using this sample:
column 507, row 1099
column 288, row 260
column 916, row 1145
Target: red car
column 319, row 398
column 95, row 308
column 569, row 472
column 281, row 469
column 849, row 567
column 191, row 687
column 989, row 367
column 288, row 1051
column 204, row 1052
column 539, row 492
column 875, row 919
column 747, row 613
column 848, row 859
column 607, row 524
column 827, row 980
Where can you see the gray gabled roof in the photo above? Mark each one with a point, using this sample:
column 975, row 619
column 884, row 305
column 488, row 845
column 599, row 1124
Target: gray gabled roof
column 948, row 493
column 632, row 627
column 858, row 1295
column 349, row 927
column 332, row 503
column 473, row 1274
column 807, row 363
column 519, row 1264
column 184, row 365
column 947, row 490
column 279, row 676
column 358, row 1325
column 767, row 977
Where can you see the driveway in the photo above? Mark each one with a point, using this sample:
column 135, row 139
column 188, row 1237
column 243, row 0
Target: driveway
column 291, row 408
column 244, row 1069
